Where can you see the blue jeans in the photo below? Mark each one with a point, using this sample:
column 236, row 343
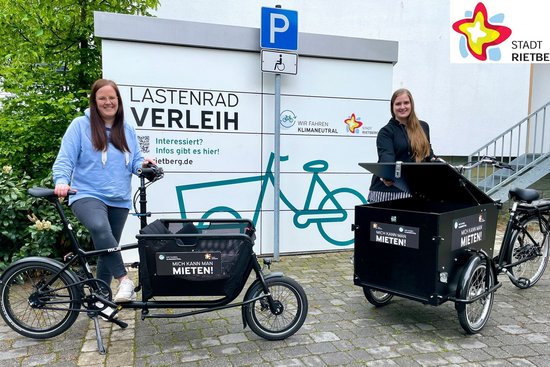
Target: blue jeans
column 105, row 224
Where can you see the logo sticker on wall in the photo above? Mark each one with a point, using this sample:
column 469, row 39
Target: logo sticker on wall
column 353, row 124
column 288, row 118
column 504, row 31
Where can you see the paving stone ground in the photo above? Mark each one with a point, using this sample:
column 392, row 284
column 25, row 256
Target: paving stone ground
column 342, row 329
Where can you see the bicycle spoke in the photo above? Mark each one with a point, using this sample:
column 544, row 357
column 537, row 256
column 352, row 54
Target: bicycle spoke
column 529, row 253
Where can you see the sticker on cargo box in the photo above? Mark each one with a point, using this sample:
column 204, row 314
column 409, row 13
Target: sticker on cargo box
column 395, row 235
column 189, row 263
column 468, row 231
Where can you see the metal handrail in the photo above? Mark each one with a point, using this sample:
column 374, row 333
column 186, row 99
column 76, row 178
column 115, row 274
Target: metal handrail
column 522, row 146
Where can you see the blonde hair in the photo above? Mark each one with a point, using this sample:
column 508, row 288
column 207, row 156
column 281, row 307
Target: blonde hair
column 420, row 145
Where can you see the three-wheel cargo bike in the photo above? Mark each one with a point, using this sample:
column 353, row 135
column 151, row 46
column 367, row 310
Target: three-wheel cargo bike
column 432, row 247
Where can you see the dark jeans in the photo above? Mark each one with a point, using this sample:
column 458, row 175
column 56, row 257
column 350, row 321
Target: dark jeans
column 105, row 224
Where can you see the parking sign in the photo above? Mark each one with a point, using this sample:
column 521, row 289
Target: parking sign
column 279, row 29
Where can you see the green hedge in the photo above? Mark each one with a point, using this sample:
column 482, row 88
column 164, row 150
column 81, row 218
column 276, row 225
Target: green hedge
column 31, row 226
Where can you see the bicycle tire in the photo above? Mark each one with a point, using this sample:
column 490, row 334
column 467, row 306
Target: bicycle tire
column 528, row 273
column 377, row 298
column 473, row 316
column 288, row 295
column 31, row 314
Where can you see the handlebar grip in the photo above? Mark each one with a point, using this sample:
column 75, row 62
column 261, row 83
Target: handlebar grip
column 151, row 172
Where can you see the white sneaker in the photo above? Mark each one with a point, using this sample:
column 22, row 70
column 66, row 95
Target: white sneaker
column 107, row 311
column 126, row 291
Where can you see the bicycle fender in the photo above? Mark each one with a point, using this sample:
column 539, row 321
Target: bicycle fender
column 46, row 260
column 249, row 291
column 469, row 268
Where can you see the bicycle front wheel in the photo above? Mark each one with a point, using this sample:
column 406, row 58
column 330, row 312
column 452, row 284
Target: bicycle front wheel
column 286, row 317
column 530, row 250
column 477, row 278
column 33, row 309
column 377, row 298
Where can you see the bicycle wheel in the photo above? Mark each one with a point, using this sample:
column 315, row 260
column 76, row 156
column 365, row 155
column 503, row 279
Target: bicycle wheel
column 529, row 245
column 36, row 311
column 473, row 316
column 290, row 309
column 377, row 298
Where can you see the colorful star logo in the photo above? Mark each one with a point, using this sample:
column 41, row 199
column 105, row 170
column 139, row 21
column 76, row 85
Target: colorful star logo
column 352, row 123
column 479, row 33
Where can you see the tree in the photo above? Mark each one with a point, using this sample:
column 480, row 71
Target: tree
column 49, row 58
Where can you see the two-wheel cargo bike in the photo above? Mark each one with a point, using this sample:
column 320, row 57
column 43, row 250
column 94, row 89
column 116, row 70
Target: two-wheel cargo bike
column 437, row 245
column 201, row 265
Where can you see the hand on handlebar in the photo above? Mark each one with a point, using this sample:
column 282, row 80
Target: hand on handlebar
column 150, row 170
column 148, row 162
column 437, row 160
column 63, row 190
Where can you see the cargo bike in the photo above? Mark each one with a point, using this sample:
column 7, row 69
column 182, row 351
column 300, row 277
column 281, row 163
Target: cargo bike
column 202, row 265
column 437, row 245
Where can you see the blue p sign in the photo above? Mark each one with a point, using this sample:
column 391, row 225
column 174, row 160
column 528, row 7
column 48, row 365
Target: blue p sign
column 279, row 29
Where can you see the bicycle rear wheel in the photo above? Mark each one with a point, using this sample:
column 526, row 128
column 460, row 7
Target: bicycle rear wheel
column 33, row 309
column 530, row 247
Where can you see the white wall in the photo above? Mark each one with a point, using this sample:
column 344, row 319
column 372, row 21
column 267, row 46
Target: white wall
column 465, row 104
column 215, row 169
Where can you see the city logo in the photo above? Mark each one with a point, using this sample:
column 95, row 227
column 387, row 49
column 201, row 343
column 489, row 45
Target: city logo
column 481, row 34
column 288, row 118
column 353, row 124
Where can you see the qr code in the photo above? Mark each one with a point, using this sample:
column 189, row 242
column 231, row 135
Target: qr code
column 144, row 143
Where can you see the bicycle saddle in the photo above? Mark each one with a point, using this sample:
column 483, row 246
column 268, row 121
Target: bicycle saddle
column 524, row 195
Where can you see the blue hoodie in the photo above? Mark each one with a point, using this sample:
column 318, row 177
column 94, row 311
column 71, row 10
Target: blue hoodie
column 104, row 176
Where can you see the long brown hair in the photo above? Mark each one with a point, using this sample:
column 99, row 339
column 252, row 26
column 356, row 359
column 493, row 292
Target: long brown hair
column 420, row 145
column 99, row 134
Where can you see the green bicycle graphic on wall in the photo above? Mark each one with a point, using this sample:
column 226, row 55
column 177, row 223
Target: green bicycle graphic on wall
column 329, row 210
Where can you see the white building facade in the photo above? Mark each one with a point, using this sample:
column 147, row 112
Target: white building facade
column 352, row 56
column 465, row 104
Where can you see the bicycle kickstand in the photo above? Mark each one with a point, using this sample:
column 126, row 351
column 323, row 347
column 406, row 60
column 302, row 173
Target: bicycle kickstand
column 100, row 346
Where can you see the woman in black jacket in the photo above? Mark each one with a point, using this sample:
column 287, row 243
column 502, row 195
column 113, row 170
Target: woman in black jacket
column 404, row 138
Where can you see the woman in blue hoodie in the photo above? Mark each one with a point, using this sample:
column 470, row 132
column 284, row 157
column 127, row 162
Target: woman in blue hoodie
column 98, row 154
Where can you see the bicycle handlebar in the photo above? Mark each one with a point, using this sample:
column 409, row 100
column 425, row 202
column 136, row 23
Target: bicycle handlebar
column 483, row 160
column 151, row 172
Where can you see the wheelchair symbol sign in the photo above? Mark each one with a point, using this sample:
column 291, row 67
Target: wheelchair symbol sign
column 279, row 62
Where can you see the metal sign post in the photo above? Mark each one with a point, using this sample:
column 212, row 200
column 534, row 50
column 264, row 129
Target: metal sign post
column 279, row 31
column 277, row 170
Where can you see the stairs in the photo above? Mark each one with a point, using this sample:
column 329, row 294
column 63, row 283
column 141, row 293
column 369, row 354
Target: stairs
column 525, row 146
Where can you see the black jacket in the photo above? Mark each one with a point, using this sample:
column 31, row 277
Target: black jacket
column 393, row 145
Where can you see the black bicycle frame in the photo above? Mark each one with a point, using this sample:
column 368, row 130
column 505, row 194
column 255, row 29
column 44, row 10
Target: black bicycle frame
column 81, row 256
column 513, row 224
